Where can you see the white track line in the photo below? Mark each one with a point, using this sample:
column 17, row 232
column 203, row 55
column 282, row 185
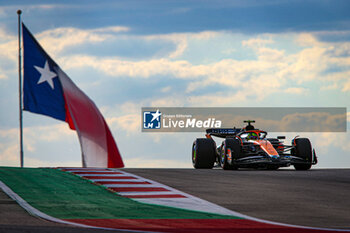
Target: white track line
column 87, row 171
column 116, row 180
column 193, row 203
column 146, row 193
column 101, row 175
column 131, row 185
column 81, row 169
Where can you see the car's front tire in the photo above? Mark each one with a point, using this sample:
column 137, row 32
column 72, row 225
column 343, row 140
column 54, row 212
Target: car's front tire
column 303, row 149
column 230, row 150
column 203, row 153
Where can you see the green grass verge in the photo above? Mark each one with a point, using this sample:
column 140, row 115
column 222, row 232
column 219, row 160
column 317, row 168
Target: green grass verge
column 67, row 196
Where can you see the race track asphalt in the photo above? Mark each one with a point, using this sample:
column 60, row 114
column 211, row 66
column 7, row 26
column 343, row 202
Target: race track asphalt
column 317, row 198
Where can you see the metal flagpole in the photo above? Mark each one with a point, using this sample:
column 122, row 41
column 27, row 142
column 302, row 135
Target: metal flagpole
column 19, row 12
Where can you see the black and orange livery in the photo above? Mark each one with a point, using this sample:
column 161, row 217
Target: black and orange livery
column 250, row 148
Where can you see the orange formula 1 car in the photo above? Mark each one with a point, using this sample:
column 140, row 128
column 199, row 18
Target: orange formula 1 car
column 249, row 148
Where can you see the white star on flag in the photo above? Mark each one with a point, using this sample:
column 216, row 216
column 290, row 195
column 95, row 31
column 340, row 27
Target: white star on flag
column 156, row 115
column 46, row 75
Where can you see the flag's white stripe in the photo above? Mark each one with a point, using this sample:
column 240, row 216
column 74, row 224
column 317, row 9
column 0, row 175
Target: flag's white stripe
column 92, row 137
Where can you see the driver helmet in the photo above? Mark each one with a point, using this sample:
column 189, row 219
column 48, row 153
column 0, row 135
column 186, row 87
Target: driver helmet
column 252, row 136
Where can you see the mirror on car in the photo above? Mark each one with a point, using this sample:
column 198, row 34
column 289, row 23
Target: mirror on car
column 281, row 137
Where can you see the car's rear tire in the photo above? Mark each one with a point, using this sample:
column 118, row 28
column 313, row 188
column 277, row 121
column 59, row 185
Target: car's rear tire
column 230, row 147
column 303, row 149
column 203, row 153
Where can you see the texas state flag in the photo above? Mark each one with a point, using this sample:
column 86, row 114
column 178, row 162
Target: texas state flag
column 49, row 91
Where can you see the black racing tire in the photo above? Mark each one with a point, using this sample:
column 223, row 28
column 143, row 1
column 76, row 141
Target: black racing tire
column 273, row 167
column 235, row 147
column 203, row 153
column 303, row 149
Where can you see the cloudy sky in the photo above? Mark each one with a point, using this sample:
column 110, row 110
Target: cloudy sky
column 131, row 54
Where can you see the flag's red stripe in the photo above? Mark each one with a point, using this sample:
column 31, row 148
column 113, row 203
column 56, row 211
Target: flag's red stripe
column 110, row 177
column 69, row 119
column 156, row 196
column 102, row 173
column 139, row 189
column 193, row 225
column 114, row 157
column 122, row 182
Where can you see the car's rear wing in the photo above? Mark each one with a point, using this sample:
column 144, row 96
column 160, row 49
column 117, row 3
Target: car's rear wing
column 223, row 132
